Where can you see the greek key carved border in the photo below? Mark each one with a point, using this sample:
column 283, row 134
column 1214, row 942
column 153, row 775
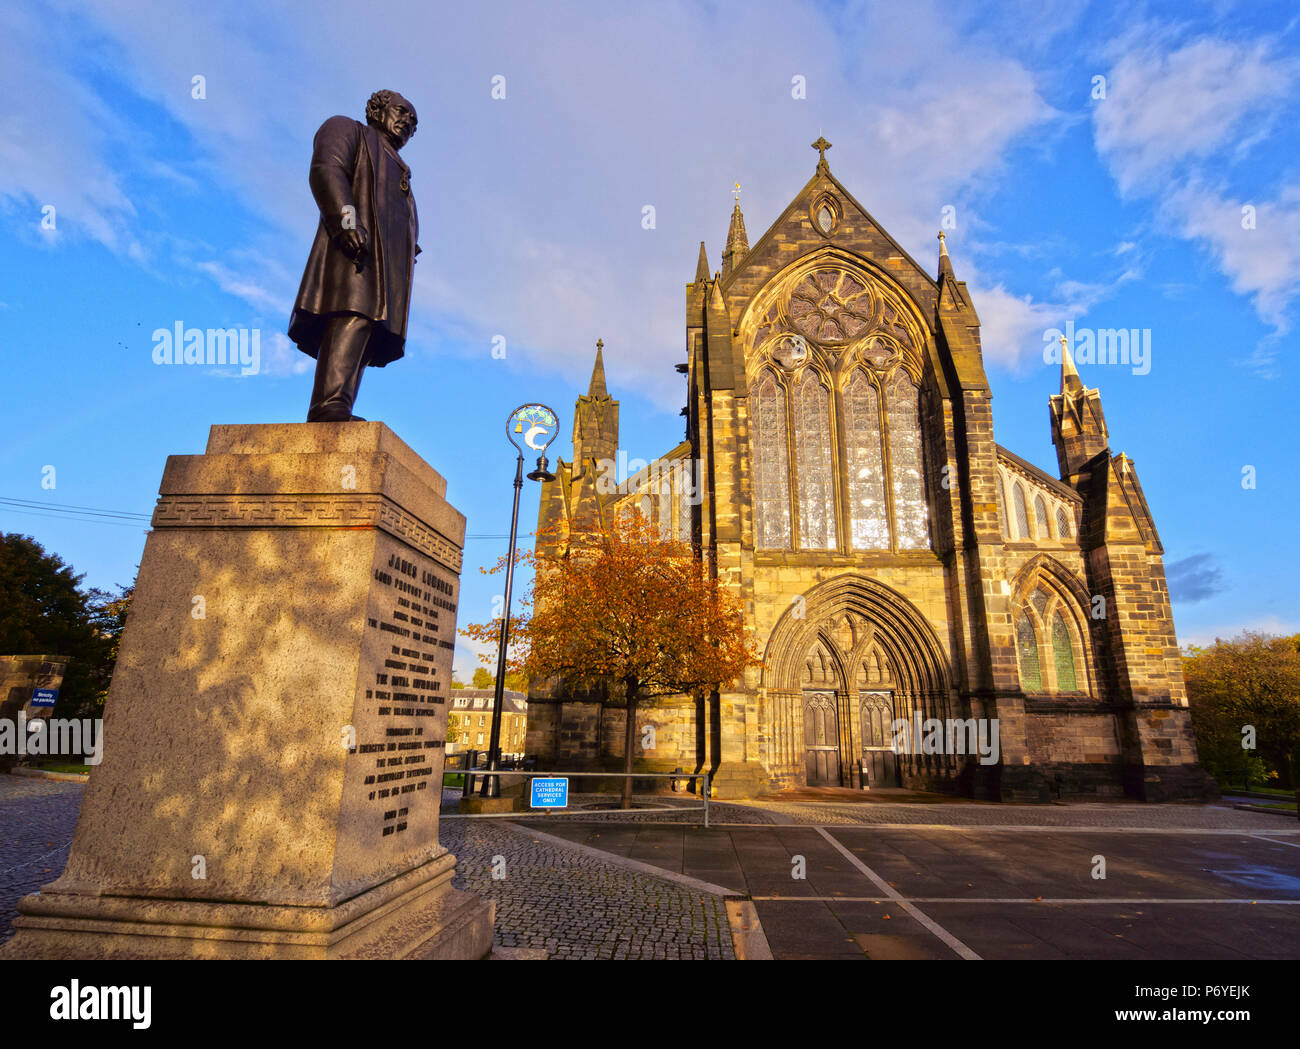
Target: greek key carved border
column 306, row 511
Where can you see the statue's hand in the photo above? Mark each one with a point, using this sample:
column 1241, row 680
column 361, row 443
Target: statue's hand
column 352, row 242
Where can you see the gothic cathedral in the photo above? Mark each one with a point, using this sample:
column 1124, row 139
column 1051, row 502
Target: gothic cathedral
column 895, row 563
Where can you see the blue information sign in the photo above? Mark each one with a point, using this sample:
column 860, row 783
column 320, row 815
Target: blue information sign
column 44, row 697
column 550, row 794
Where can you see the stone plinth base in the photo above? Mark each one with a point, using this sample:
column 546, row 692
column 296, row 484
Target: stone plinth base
column 416, row 916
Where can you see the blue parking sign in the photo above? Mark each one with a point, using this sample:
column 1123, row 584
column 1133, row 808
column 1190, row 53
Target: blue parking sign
column 44, row 697
column 549, row 794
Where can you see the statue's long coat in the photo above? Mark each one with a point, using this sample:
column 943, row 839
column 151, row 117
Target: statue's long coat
column 346, row 169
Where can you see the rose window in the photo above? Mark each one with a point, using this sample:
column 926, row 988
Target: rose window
column 831, row 306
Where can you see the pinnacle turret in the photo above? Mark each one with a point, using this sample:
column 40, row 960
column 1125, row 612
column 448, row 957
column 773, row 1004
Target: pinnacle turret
column 737, row 239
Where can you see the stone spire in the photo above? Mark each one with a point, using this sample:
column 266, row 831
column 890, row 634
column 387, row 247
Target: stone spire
column 702, row 267
column 737, row 239
column 1078, row 425
column 595, row 420
column 1070, row 381
column 597, row 386
column 945, row 263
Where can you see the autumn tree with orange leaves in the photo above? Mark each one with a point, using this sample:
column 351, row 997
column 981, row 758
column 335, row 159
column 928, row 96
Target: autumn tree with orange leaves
column 629, row 609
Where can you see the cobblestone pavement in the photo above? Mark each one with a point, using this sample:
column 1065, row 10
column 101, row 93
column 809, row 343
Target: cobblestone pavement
column 1110, row 816
column 567, row 903
column 37, row 818
column 577, row 906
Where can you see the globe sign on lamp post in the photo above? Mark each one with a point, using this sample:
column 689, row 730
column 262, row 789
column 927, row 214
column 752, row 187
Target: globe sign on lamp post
column 537, row 426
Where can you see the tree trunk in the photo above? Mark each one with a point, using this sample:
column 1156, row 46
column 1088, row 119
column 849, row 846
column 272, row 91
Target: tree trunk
column 629, row 740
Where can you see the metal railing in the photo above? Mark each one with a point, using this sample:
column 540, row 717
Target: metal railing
column 529, row 774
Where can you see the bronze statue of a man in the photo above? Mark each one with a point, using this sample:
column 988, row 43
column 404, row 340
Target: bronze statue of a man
column 355, row 295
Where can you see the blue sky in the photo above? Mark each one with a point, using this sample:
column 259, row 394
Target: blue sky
column 1122, row 211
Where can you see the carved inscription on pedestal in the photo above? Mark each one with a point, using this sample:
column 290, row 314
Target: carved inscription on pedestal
column 409, row 639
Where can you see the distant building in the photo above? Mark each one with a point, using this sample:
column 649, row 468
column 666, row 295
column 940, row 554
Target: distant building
column 472, row 710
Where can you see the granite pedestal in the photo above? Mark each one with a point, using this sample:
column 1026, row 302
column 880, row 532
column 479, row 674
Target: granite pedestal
column 274, row 732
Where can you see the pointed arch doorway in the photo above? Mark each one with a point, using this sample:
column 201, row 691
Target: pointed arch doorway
column 837, row 678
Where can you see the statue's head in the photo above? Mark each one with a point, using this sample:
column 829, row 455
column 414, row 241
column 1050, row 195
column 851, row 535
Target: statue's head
column 393, row 115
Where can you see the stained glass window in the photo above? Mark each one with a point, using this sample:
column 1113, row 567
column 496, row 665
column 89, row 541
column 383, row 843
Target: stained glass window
column 1039, row 599
column 665, row 509
column 685, row 493
column 1022, row 515
column 813, row 450
column 866, row 468
column 910, row 516
column 771, row 466
column 1031, row 678
column 1040, row 517
column 1063, row 653
column 1062, row 524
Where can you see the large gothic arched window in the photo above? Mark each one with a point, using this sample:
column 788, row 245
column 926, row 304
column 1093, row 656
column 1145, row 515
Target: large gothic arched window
column 813, row 464
column 910, row 515
column 771, row 466
column 837, row 459
column 868, row 514
column 1049, row 646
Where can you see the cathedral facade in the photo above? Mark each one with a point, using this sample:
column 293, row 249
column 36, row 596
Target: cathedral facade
column 895, row 564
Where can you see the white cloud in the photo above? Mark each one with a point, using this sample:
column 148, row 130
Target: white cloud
column 1163, row 108
column 243, row 287
column 1262, row 257
column 57, row 140
column 282, row 357
column 530, row 207
column 1175, row 120
column 1012, row 326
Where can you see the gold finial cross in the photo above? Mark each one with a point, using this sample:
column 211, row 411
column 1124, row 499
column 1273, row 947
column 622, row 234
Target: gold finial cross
column 736, row 192
column 600, row 344
column 821, row 145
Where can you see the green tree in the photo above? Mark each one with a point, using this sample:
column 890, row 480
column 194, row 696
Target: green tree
column 629, row 611
column 483, row 678
column 1251, row 682
column 45, row 611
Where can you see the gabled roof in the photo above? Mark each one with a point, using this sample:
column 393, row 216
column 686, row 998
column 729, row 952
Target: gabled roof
column 800, row 202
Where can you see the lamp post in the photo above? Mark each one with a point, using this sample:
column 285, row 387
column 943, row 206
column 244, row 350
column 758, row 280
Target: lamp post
column 538, row 426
